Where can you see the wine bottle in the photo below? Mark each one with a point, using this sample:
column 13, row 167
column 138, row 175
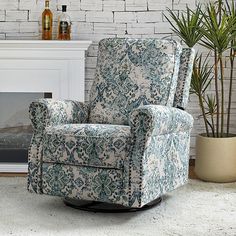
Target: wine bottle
column 64, row 25
column 47, row 18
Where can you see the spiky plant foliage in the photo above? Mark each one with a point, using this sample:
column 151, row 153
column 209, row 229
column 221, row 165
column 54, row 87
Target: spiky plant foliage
column 201, row 79
column 187, row 25
column 212, row 26
column 217, row 36
column 211, row 109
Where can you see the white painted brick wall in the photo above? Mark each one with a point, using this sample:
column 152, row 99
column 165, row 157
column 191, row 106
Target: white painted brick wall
column 99, row 16
column 118, row 5
column 136, row 5
column 96, row 19
column 9, row 4
column 17, row 15
column 139, row 28
column 160, row 5
column 125, row 17
column 149, row 16
column 2, row 15
column 91, row 5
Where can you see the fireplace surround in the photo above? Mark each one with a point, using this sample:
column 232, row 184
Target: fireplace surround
column 36, row 66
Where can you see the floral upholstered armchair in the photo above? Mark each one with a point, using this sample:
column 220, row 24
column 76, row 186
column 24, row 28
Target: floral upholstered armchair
column 129, row 144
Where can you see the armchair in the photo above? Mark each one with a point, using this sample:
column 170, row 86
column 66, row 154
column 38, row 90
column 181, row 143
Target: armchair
column 129, row 145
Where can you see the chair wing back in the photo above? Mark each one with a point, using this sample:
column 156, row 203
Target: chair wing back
column 184, row 78
column 130, row 73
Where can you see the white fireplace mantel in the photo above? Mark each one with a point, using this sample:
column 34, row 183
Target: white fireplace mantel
column 43, row 66
column 37, row 66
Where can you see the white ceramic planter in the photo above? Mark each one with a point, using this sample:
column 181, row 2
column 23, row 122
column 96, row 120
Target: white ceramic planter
column 216, row 159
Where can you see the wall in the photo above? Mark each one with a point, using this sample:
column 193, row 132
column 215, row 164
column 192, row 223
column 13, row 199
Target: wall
column 96, row 19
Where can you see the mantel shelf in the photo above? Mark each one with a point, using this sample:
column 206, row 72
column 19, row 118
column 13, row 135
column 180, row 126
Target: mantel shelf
column 43, row 49
column 44, row 44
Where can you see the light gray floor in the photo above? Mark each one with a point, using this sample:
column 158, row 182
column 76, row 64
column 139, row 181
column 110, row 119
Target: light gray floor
column 197, row 209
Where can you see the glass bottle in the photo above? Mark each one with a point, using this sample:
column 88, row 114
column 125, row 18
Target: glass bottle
column 47, row 18
column 64, row 25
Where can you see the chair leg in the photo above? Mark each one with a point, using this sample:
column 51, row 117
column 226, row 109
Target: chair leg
column 106, row 207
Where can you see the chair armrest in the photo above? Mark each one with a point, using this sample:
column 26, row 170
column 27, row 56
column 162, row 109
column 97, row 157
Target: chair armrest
column 47, row 112
column 159, row 154
column 158, row 120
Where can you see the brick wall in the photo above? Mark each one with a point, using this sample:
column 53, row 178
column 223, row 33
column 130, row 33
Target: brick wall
column 94, row 20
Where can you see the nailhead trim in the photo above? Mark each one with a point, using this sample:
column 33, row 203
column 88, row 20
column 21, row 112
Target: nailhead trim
column 137, row 120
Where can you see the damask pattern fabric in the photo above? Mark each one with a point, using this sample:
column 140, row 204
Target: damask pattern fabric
column 85, row 183
column 87, row 144
column 161, row 119
column 154, row 169
column 130, row 73
column 128, row 145
column 35, row 163
column 184, row 78
column 159, row 155
column 47, row 112
column 44, row 113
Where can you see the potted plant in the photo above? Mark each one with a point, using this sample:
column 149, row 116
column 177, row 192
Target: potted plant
column 213, row 28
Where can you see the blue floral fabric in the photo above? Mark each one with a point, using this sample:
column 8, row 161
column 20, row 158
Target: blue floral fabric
column 128, row 145
column 87, row 144
column 47, row 112
column 85, row 183
column 44, row 113
column 159, row 156
column 184, row 78
column 130, row 73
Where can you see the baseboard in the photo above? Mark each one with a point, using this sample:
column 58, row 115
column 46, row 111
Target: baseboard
column 13, row 168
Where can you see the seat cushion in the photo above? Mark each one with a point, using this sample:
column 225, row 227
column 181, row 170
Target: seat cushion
column 98, row 145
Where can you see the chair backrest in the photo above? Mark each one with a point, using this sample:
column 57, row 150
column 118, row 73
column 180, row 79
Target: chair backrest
column 130, row 73
column 184, row 78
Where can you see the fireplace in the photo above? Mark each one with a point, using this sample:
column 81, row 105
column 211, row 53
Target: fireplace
column 39, row 67
column 15, row 127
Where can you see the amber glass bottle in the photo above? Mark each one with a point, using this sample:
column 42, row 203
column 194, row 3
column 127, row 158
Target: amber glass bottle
column 47, row 18
column 64, row 25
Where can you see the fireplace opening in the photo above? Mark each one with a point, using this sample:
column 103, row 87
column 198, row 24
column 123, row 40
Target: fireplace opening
column 15, row 126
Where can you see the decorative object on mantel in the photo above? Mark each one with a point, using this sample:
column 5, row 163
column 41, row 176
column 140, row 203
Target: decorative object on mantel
column 214, row 28
column 64, row 25
column 47, row 20
column 39, row 66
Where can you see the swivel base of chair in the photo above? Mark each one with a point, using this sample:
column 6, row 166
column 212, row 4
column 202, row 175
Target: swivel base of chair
column 106, row 207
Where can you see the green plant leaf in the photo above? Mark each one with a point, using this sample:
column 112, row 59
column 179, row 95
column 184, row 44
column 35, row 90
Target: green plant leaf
column 202, row 75
column 211, row 104
column 186, row 25
column 217, row 35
